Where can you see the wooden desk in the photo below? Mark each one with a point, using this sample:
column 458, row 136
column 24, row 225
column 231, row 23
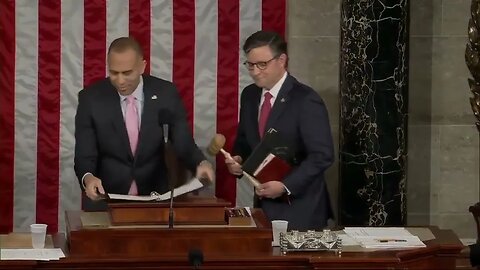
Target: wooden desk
column 440, row 253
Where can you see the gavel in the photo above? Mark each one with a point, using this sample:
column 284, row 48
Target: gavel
column 216, row 145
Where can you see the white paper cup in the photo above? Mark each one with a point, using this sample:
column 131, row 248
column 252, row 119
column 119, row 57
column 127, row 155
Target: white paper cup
column 278, row 226
column 39, row 232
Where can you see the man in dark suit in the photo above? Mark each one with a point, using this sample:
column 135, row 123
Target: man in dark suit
column 299, row 115
column 119, row 140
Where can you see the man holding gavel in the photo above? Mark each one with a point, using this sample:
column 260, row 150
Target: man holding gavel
column 277, row 100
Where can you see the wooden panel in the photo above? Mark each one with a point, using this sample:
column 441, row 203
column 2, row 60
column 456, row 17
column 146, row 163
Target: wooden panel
column 187, row 210
column 154, row 242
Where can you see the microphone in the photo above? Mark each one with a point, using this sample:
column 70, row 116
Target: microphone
column 165, row 133
column 165, row 120
column 195, row 257
column 216, row 146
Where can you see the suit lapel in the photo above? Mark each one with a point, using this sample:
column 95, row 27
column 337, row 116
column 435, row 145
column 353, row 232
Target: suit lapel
column 118, row 121
column 254, row 114
column 280, row 102
column 148, row 115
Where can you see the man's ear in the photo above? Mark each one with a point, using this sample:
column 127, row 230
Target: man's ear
column 283, row 58
column 144, row 65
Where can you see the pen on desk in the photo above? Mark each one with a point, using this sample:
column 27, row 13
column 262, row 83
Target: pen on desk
column 391, row 240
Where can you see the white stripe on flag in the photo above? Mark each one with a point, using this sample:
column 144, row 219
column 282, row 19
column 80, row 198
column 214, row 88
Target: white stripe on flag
column 161, row 57
column 250, row 22
column 205, row 81
column 26, row 108
column 117, row 21
column 71, row 82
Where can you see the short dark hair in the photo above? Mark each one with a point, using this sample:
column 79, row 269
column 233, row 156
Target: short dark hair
column 262, row 38
column 124, row 43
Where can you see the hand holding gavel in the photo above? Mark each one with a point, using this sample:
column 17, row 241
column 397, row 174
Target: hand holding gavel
column 216, row 145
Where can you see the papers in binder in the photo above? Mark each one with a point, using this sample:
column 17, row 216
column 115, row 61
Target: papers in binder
column 265, row 162
column 192, row 185
column 272, row 168
column 271, row 158
column 384, row 238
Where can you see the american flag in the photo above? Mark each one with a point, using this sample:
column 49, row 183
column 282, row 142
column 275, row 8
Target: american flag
column 50, row 49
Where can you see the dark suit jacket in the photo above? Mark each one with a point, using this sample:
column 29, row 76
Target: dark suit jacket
column 300, row 116
column 102, row 146
column 475, row 255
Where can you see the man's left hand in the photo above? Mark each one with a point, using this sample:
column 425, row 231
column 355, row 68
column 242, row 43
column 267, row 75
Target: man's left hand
column 271, row 189
column 205, row 171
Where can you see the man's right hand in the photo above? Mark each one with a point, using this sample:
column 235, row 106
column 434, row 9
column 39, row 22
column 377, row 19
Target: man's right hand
column 93, row 187
column 233, row 165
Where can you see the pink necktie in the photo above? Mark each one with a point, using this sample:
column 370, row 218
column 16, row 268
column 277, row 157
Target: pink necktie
column 131, row 122
column 264, row 112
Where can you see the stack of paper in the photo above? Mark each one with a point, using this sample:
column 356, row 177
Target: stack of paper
column 191, row 185
column 43, row 254
column 391, row 237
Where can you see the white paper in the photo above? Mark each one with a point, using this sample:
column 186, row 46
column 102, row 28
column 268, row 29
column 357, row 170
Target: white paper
column 264, row 163
column 397, row 242
column 144, row 198
column 384, row 237
column 192, row 185
column 347, row 240
column 44, row 254
column 377, row 231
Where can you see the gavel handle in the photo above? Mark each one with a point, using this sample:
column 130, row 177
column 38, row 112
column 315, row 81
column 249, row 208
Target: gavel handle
column 250, row 178
column 226, row 154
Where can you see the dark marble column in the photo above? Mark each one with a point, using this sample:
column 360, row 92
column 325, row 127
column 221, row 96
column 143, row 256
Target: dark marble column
column 374, row 104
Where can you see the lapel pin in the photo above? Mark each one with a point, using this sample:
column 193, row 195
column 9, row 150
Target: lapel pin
column 154, row 97
column 282, row 100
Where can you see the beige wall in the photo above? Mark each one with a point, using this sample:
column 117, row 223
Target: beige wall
column 443, row 177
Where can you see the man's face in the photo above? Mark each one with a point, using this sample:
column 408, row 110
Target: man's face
column 125, row 69
column 265, row 68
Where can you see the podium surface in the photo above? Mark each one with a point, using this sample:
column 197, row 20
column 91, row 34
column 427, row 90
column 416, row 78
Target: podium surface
column 98, row 244
column 106, row 240
column 440, row 253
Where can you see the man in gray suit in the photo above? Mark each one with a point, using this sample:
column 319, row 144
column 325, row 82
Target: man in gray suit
column 299, row 115
column 118, row 129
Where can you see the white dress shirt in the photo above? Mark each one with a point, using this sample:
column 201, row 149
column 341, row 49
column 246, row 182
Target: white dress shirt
column 273, row 91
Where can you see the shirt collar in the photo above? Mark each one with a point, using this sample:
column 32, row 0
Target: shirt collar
column 276, row 88
column 137, row 93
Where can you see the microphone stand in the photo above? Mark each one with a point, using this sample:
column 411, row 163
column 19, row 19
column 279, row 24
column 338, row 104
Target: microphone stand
column 170, row 162
column 170, row 213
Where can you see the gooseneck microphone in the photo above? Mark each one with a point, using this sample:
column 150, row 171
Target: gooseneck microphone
column 165, row 119
column 165, row 132
column 195, row 257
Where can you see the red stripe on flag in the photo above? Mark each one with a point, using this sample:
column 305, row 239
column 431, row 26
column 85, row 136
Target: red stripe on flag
column 184, row 52
column 7, row 113
column 94, row 47
column 227, row 90
column 274, row 14
column 139, row 26
column 48, row 137
column 95, row 36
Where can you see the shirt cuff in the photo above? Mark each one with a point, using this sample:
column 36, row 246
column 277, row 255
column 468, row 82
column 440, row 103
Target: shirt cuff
column 83, row 178
column 287, row 190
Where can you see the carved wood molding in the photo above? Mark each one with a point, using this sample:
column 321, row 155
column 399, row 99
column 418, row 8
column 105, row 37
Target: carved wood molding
column 472, row 58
